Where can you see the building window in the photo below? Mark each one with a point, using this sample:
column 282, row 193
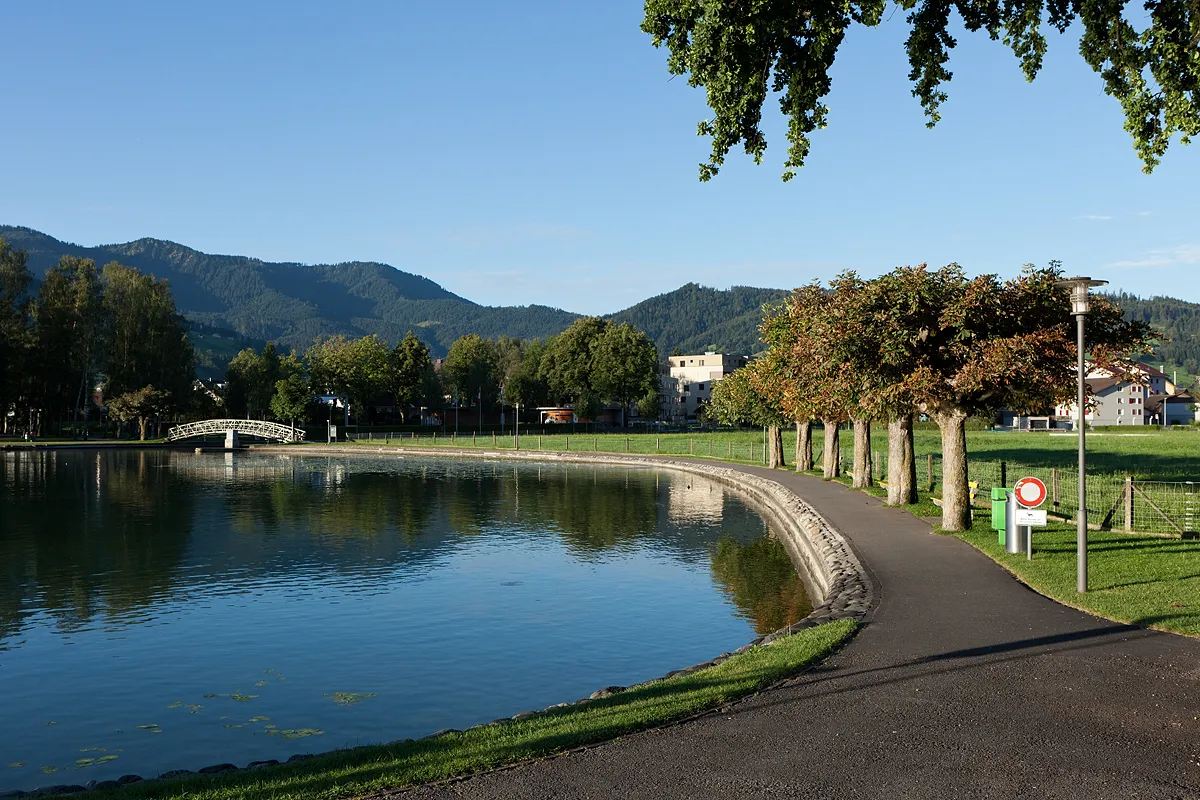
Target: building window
column 1120, row 412
column 1119, row 401
column 682, row 363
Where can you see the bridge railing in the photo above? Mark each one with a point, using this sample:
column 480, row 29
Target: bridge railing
column 246, row 427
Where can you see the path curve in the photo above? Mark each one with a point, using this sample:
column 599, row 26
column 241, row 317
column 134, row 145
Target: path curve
column 963, row 683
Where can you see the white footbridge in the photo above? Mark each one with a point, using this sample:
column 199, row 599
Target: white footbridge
column 230, row 428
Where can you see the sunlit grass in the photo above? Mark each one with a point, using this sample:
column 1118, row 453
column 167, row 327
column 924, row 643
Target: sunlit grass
column 1144, row 580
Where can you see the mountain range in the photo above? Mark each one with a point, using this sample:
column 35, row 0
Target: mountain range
column 237, row 301
column 233, row 302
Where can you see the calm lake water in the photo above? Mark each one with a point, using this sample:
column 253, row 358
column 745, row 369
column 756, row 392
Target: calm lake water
column 166, row 610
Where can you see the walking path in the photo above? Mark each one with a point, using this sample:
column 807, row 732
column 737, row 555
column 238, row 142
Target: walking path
column 963, row 683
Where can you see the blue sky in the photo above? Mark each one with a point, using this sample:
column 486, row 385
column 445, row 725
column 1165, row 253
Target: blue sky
column 538, row 152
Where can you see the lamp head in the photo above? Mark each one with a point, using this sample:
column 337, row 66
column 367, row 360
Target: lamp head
column 1079, row 287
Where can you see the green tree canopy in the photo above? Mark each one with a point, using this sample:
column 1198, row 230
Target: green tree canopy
column 411, row 372
column 742, row 51
column 140, row 405
column 470, row 370
column 357, row 368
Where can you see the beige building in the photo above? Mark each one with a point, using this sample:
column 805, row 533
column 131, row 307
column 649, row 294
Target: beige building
column 687, row 381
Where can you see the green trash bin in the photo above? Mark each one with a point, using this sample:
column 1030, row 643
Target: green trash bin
column 999, row 501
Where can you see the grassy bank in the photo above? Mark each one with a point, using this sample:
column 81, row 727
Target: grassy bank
column 1144, row 580
column 349, row 773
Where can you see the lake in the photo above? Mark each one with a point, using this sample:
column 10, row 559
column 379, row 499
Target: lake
column 168, row 610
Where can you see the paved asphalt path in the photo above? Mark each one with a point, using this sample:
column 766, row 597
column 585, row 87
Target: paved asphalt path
column 963, row 683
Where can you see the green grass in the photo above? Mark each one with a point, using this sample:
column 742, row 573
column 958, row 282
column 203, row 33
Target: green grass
column 349, row 773
column 1143, row 580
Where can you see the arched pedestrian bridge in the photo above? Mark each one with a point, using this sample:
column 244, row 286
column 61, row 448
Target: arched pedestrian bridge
column 230, row 428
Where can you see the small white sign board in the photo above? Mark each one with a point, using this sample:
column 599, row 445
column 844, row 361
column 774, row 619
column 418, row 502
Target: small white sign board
column 1027, row 516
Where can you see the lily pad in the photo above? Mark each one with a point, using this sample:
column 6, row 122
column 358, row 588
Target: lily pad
column 176, row 704
column 296, row 733
column 49, row 769
column 194, row 708
column 260, row 719
column 243, row 698
column 107, row 758
column 350, row 698
column 93, row 750
column 16, row 764
column 48, row 724
column 233, row 725
column 261, row 683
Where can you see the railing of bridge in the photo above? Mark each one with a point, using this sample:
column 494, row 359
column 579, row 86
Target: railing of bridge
column 246, row 427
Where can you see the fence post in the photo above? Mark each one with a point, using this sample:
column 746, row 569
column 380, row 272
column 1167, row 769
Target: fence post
column 626, row 444
column 710, row 448
column 435, row 437
column 596, row 444
column 1004, row 474
column 690, row 450
column 1128, row 503
column 493, row 438
column 929, row 461
column 472, row 438
column 730, row 450
column 1054, row 489
column 566, row 443
column 539, row 441
column 657, row 442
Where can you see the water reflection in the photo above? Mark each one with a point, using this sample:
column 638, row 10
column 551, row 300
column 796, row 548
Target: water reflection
column 137, row 581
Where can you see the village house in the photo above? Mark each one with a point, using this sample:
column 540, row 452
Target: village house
column 687, row 382
column 1150, row 398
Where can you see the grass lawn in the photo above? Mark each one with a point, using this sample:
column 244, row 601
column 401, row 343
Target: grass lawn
column 349, row 773
column 1144, row 580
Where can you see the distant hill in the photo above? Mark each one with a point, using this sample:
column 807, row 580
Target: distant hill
column 695, row 318
column 1179, row 321
column 237, row 301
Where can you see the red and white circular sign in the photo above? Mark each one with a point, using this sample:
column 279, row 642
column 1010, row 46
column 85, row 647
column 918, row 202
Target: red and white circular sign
column 1030, row 492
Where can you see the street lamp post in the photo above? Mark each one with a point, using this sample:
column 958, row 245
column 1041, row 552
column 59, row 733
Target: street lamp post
column 1080, row 306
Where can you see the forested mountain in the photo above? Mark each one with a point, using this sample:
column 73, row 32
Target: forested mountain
column 235, row 301
column 293, row 304
column 1179, row 321
column 695, row 318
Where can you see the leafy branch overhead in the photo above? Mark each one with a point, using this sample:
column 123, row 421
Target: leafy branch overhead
column 741, row 51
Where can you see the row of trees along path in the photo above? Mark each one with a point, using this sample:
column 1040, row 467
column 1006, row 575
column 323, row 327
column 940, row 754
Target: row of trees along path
column 917, row 340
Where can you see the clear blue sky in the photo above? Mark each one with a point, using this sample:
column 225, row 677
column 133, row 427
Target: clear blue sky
column 538, row 152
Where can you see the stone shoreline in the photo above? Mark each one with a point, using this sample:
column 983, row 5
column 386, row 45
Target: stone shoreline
column 838, row 584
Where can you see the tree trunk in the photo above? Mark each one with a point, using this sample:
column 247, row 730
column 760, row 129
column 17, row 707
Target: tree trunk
column 142, row 428
column 804, row 459
column 775, row 447
column 831, row 458
column 862, row 454
column 955, row 497
column 902, row 464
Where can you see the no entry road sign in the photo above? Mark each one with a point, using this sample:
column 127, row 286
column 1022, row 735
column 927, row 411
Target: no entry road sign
column 1030, row 492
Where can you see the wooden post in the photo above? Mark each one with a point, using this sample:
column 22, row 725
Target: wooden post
column 730, row 453
column 596, row 444
column 1054, row 489
column 691, row 451
column 657, row 443
column 566, row 443
column 1004, row 474
column 1129, row 503
column 929, row 462
column 539, row 441
column 710, row 448
column 435, row 437
column 414, row 435
column 626, row 444
column 472, row 438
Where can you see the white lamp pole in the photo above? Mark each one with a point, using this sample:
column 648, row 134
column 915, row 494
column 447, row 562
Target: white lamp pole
column 1080, row 306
